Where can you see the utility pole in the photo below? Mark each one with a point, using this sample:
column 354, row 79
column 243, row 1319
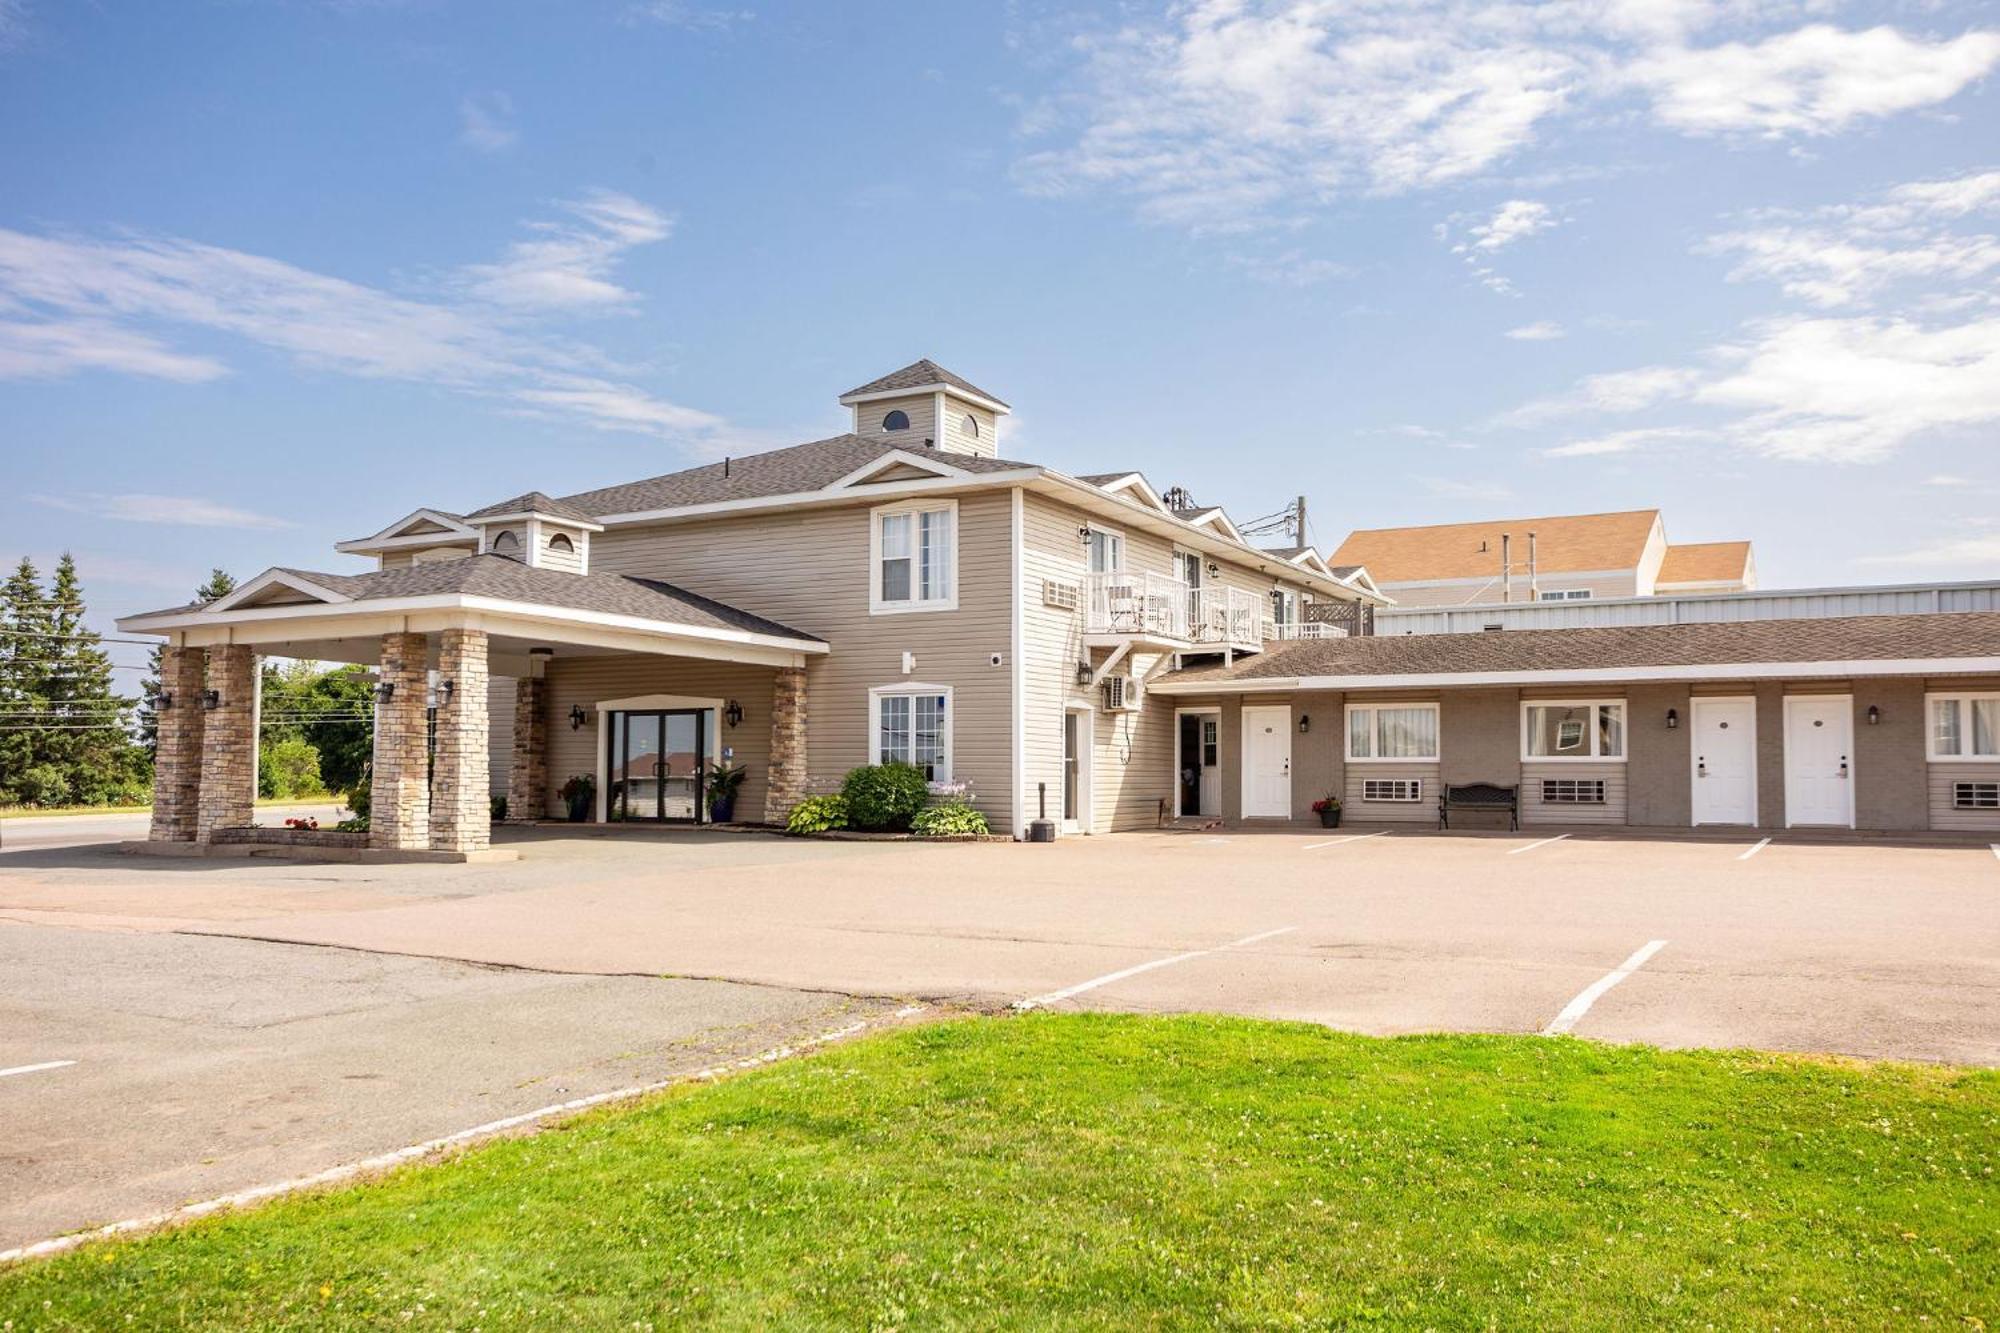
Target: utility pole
column 1299, row 521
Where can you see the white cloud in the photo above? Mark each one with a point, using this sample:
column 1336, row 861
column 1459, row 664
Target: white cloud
column 1981, row 552
column 76, row 304
column 1231, row 114
column 484, row 122
column 567, row 264
column 1512, row 221
column 1542, row 330
column 1849, row 254
column 692, row 17
column 1292, row 268
column 1816, row 80
column 1624, row 442
column 1465, row 488
column 1613, row 391
column 175, row 510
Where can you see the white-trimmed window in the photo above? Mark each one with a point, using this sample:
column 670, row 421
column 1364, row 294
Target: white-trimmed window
column 913, row 555
column 911, row 724
column 1392, row 732
column 1560, row 729
column 1565, row 594
column 1284, row 606
column 1964, row 727
column 1104, row 550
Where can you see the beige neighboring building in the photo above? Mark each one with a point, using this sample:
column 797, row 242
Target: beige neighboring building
column 1568, row 557
column 899, row 591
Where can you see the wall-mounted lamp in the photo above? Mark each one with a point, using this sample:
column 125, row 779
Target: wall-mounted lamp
column 164, row 702
column 1673, row 718
column 1305, row 723
column 211, row 698
column 1214, row 570
column 446, row 688
column 733, row 714
column 1083, row 534
column 576, row 717
column 1085, row 673
column 385, row 690
column 1874, row 716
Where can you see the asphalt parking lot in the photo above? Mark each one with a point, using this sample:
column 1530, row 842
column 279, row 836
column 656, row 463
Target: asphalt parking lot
column 232, row 1022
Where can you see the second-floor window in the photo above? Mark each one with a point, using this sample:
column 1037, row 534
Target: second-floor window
column 1106, row 551
column 1284, row 606
column 915, row 558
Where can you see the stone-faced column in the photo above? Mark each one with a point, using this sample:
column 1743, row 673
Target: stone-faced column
column 177, row 758
column 228, row 797
column 399, row 803
column 528, row 772
column 785, row 784
column 461, row 805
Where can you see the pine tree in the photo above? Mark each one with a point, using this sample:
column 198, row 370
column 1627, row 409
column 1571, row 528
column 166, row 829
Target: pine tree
column 25, row 624
column 87, row 738
column 219, row 584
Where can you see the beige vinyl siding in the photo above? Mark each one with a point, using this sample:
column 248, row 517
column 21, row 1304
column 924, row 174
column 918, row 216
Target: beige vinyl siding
column 809, row 569
column 1133, row 763
column 1051, row 646
column 1534, row 810
column 1623, row 584
column 922, row 410
column 958, row 439
column 567, row 562
column 1944, row 815
column 1361, row 811
column 408, row 556
column 499, row 732
column 586, row 680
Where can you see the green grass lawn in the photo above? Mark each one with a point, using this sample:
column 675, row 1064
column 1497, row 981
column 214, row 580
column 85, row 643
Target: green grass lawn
column 1118, row 1172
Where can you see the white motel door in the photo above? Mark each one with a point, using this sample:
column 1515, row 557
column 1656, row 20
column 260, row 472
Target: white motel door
column 1725, row 761
column 1819, row 755
column 1267, row 762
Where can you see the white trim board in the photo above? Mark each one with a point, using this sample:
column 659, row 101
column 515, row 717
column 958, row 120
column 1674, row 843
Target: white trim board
column 1720, row 671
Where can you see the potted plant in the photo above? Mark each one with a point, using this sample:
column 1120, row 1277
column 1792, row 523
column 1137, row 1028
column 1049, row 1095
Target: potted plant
column 724, row 780
column 577, row 794
column 1327, row 808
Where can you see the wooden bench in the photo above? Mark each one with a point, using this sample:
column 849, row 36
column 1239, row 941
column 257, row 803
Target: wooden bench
column 1479, row 796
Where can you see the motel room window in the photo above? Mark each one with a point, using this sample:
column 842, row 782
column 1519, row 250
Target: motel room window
column 1392, row 731
column 912, row 725
column 1565, row 594
column 1587, row 729
column 915, row 558
column 1106, row 551
column 1284, row 606
column 1965, row 726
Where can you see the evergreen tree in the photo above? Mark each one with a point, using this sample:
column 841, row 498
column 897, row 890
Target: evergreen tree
column 24, row 670
column 219, row 584
column 87, row 739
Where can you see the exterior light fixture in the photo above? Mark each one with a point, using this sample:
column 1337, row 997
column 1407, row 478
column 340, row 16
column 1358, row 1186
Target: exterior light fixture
column 446, row 688
column 733, row 714
column 1305, row 723
column 1874, row 716
column 1084, row 673
column 1673, row 718
column 211, row 699
column 164, row 702
column 1214, row 570
column 1083, row 533
column 385, row 690
column 576, row 717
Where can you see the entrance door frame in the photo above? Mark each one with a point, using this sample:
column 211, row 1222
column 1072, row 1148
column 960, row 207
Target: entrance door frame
column 1200, row 710
column 647, row 703
column 1086, row 775
column 1695, row 703
column 1244, row 778
column 1852, row 768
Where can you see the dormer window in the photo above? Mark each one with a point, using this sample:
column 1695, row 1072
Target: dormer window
column 896, row 420
column 972, row 425
column 561, row 543
column 506, row 543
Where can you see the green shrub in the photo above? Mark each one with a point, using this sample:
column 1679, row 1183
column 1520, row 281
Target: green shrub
column 884, row 796
column 289, row 767
column 954, row 818
column 817, row 814
column 359, row 824
column 357, row 796
column 43, row 784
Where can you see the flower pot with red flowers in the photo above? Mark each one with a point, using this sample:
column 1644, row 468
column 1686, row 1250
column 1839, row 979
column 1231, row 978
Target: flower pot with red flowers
column 1327, row 808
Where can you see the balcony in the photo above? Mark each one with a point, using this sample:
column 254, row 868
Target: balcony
column 1129, row 604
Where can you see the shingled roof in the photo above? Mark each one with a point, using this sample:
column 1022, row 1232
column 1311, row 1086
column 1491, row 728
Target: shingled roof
column 1565, row 543
column 506, row 579
column 922, row 374
column 802, row 467
column 1705, row 562
column 533, row 502
column 1969, row 634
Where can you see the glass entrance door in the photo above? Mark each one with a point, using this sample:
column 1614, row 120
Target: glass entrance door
column 656, row 769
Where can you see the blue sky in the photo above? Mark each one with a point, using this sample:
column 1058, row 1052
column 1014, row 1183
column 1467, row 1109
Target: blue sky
column 273, row 273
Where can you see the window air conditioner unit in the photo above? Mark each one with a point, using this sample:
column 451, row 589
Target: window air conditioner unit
column 1121, row 694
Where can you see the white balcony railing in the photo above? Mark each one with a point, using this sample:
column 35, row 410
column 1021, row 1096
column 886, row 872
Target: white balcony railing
column 1310, row 629
column 1162, row 607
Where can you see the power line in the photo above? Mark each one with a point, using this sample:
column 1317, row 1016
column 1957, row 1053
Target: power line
column 92, row 637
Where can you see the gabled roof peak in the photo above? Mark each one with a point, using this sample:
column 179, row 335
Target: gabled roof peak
column 918, row 376
column 531, row 502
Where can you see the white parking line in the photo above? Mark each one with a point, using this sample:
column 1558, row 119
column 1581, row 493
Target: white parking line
column 1996, row 849
column 1037, row 1001
column 35, row 1069
column 1335, row 842
column 1516, row 851
column 1580, row 1006
column 1756, row 848
column 369, row 1166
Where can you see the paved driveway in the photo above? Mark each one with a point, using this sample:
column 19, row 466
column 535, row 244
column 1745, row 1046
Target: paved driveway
column 284, row 1016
